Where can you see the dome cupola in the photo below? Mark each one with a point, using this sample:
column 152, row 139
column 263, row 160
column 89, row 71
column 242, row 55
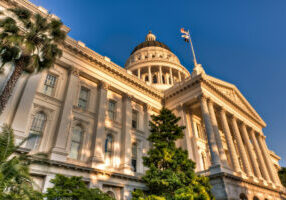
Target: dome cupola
column 153, row 62
column 150, row 36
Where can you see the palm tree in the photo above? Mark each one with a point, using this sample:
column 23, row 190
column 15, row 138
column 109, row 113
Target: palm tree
column 15, row 180
column 29, row 43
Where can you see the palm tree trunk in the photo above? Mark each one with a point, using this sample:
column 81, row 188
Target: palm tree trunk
column 10, row 85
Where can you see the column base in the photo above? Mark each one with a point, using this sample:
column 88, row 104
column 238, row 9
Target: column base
column 96, row 161
column 58, row 154
column 126, row 169
column 215, row 169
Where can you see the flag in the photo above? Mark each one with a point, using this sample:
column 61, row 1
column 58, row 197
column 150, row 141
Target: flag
column 186, row 35
column 184, row 31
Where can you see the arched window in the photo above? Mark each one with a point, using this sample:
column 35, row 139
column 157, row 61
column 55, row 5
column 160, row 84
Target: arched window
column 242, row 196
column 108, row 147
column 36, row 130
column 255, row 198
column 111, row 194
column 155, row 78
column 163, row 79
column 134, row 157
column 146, row 78
column 76, row 142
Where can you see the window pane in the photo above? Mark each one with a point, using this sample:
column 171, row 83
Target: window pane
column 74, row 150
column 134, row 150
column 77, row 134
column 134, row 119
column 36, row 130
column 83, row 98
column 76, row 142
column 134, row 165
column 108, row 145
column 33, row 141
column 112, row 109
column 49, row 85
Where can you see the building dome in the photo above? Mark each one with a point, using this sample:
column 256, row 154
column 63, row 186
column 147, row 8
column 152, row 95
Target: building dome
column 154, row 62
column 150, row 36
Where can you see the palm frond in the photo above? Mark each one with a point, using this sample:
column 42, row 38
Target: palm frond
column 23, row 15
column 6, row 143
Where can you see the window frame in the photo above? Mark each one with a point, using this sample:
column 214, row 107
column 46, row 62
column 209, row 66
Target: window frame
column 78, row 142
column 113, row 112
column 53, row 87
column 38, row 133
column 108, row 151
column 83, row 88
column 134, row 158
column 137, row 119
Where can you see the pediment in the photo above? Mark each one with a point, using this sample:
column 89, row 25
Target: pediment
column 231, row 92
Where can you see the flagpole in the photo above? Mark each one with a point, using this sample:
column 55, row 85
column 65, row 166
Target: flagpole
column 192, row 48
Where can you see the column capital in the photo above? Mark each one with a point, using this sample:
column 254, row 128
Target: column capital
column 128, row 96
column 74, row 71
column 147, row 107
column 220, row 109
column 202, row 97
column 104, row 85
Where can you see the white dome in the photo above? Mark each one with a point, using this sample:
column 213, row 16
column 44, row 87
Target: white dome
column 154, row 62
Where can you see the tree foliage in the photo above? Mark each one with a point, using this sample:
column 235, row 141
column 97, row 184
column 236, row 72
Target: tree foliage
column 282, row 175
column 15, row 180
column 29, row 42
column 171, row 174
column 73, row 188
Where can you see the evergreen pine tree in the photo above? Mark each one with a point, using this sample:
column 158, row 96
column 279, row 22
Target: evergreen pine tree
column 171, row 174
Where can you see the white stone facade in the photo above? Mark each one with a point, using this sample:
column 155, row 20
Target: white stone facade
column 91, row 117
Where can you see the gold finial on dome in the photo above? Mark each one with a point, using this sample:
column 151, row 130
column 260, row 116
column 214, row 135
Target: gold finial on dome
column 150, row 36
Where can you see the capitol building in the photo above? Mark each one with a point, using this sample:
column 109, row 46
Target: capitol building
column 90, row 116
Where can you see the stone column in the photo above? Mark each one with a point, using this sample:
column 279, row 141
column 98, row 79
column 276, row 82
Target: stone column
column 160, row 75
column 210, row 132
column 146, row 144
column 149, row 74
column 99, row 125
column 171, row 74
column 11, row 108
column 139, row 73
column 60, row 149
column 229, row 141
column 180, row 77
column 147, row 119
column 21, row 117
column 250, row 151
column 269, row 163
column 223, row 157
column 187, row 131
column 260, row 159
column 241, row 148
column 126, row 134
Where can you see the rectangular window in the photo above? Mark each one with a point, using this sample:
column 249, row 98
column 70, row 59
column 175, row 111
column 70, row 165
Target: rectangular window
column 83, row 98
column 112, row 109
column 134, row 157
column 49, row 85
column 76, row 142
column 134, row 119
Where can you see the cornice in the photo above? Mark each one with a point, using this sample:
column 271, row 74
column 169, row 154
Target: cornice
column 74, row 46
column 182, row 86
column 110, row 67
column 162, row 60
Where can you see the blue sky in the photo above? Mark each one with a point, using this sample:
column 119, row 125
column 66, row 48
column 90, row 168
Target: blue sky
column 242, row 42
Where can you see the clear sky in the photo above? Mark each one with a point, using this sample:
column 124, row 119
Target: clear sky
column 242, row 42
